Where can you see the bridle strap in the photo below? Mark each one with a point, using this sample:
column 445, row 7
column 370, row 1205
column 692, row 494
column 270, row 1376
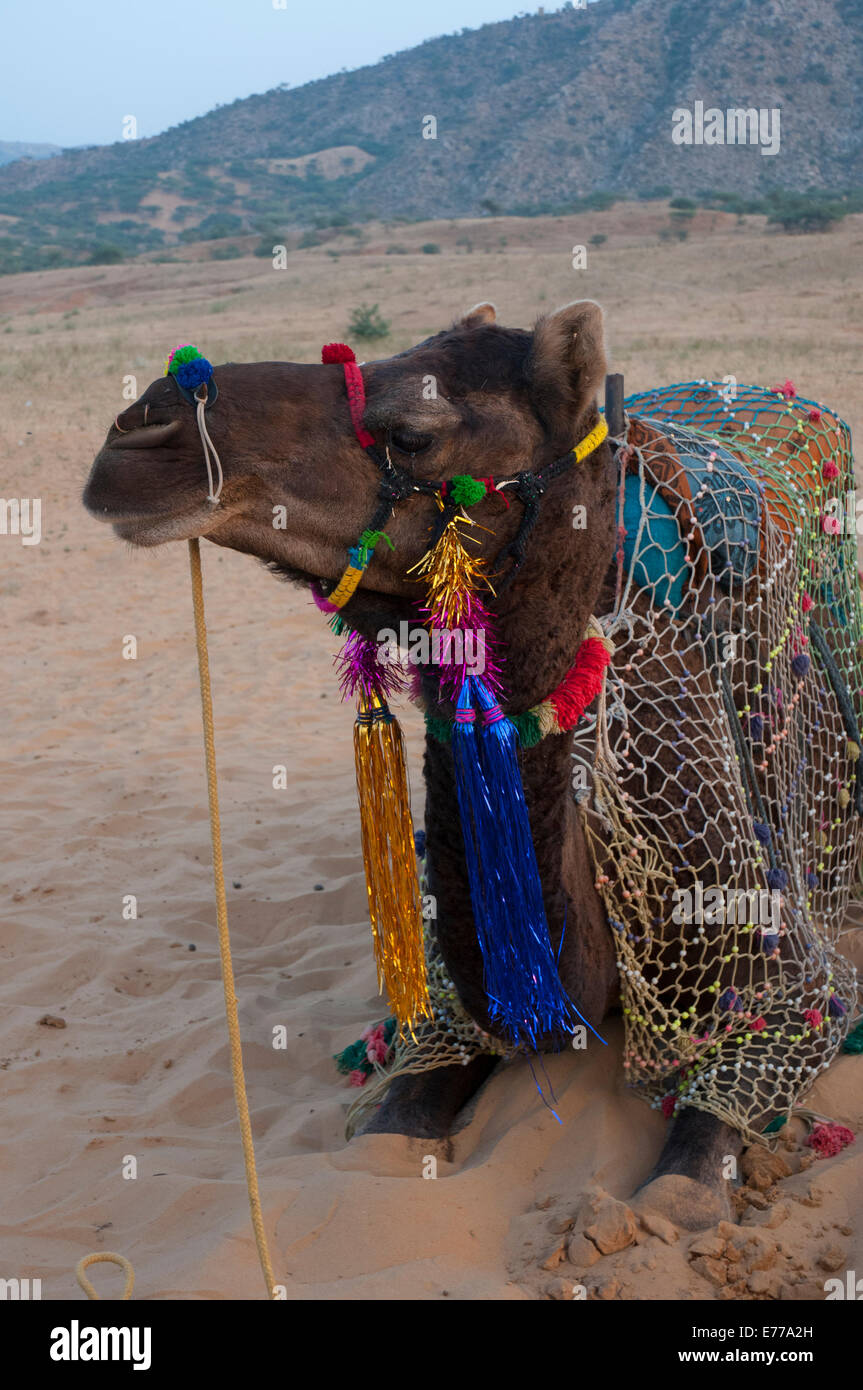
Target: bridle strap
column 210, row 455
column 397, row 484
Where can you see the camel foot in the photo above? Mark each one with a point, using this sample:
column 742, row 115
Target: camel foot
column 687, row 1204
column 426, row 1105
column 689, row 1184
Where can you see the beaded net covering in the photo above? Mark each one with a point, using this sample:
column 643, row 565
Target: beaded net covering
column 721, row 800
column 719, row 773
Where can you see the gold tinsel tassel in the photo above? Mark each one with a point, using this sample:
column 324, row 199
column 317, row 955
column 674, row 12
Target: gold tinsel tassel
column 452, row 575
column 395, row 905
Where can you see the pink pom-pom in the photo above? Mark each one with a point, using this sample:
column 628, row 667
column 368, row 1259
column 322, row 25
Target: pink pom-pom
column 830, row 470
column 813, row 1017
column 806, row 603
column 668, row 1104
column 829, row 1139
column 358, row 1078
column 377, row 1046
column 815, row 416
column 337, row 352
column 830, row 525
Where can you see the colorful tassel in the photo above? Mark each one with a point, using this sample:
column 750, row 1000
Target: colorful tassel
column 526, row 998
column 395, row 903
column 454, row 578
column 392, row 882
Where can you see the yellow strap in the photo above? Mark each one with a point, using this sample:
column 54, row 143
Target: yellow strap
column 591, row 441
column 222, row 924
column 346, row 587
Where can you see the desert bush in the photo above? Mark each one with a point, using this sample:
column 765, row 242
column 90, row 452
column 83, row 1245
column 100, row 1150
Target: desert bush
column 805, row 213
column 105, row 255
column 366, row 322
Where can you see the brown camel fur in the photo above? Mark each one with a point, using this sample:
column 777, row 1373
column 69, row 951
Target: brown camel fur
column 505, row 400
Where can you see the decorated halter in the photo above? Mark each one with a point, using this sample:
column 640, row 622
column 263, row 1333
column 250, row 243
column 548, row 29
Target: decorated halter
column 526, row 1000
column 196, row 383
column 525, row 996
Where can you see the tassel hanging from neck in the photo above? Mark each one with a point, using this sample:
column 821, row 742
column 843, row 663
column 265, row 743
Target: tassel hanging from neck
column 389, row 856
column 455, row 610
column 525, row 995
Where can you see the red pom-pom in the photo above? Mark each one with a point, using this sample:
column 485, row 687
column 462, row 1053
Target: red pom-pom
column 582, row 684
column 337, row 352
column 829, row 1139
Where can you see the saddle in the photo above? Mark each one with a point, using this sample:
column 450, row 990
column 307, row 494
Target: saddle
column 713, row 488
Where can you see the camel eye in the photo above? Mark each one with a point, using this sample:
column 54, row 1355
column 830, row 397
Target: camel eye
column 409, row 441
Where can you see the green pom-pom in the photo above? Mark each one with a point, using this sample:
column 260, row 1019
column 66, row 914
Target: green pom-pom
column 465, row 490
column 183, row 354
column 527, row 726
column 775, row 1125
column 441, row 729
column 854, row 1041
column 353, row 1058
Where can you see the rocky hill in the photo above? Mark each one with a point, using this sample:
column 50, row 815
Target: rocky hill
column 22, row 149
column 535, row 114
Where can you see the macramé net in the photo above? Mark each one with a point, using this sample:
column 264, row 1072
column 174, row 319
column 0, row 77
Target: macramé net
column 718, row 776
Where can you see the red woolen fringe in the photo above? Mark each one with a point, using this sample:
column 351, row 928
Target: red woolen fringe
column 582, row 684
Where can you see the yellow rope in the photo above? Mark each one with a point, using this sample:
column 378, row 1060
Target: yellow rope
column 222, row 924
column 591, row 441
column 242, row 1103
column 105, row 1257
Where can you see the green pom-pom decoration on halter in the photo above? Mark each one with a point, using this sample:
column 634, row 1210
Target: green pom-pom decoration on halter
column 465, row 490
column 179, row 356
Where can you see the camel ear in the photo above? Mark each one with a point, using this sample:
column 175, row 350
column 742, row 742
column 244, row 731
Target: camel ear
column 480, row 314
column 568, row 363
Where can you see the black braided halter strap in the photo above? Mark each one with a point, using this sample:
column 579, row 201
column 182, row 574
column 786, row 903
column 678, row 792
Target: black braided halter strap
column 397, row 485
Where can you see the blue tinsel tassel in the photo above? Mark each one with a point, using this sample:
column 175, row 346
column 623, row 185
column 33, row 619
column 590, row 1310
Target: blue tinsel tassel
column 525, row 995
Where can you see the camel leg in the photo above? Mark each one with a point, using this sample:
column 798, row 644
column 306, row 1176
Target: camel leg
column 687, row 1184
column 425, row 1105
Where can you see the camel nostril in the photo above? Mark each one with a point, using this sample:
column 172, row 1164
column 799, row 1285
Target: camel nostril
column 145, row 436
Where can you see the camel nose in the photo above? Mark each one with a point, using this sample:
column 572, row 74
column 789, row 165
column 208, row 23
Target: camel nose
column 146, row 437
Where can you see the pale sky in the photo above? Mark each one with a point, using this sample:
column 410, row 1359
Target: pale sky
column 70, row 70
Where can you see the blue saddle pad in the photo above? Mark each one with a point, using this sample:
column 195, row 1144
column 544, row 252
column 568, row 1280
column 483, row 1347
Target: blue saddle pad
column 725, row 501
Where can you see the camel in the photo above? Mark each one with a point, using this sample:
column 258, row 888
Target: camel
column 285, row 438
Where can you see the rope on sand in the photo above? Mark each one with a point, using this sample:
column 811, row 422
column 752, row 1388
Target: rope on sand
column 105, row 1257
column 237, row 1076
column 236, row 1045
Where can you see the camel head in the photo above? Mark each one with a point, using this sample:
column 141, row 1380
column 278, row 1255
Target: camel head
column 298, row 489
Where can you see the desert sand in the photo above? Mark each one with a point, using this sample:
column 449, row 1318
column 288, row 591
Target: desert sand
column 102, row 795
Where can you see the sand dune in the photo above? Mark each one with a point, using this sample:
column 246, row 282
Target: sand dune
column 102, row 795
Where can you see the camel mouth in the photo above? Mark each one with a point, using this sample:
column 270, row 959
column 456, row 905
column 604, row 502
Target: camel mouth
column 147, row 532
column 143, row 487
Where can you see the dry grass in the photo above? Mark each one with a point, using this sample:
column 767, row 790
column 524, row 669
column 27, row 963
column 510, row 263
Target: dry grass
column 730, row 299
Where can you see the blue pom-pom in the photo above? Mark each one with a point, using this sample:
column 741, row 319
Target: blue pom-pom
column 836, row 1007
column 756, row 728
column 800, row 664
column 730, row 1001
column 192, row 374
column 762, row 832
column 769, row 941
column 812, row 880
column 777, row 878
column 420, row 843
